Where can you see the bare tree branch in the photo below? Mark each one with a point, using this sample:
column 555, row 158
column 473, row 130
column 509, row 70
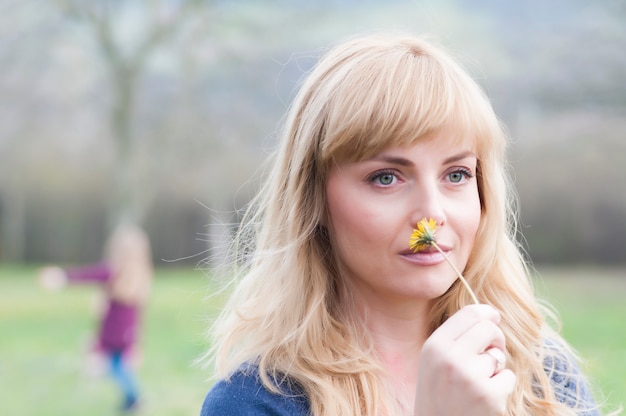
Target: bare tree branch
column 125, row 68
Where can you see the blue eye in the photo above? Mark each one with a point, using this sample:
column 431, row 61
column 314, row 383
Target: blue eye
column 383, row 178
column 456, row 177
column 459, row 175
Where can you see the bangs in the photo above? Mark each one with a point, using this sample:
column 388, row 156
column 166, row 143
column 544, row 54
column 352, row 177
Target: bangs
column 397, row 94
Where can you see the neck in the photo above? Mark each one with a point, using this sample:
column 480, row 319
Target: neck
column 399, row 356
column 398, row 329
column 398, row 339
column 394, row 321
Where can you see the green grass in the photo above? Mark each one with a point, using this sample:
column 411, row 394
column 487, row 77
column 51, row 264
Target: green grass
column 43, row 337
column 592, row 309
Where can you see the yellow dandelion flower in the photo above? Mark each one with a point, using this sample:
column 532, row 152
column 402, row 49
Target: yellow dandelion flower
column 424, row 236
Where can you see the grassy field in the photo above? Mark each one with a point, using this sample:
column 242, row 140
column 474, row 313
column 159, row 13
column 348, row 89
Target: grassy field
column 43, row 339
column 592, row 309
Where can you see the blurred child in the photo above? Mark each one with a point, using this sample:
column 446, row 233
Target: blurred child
column 125, row 275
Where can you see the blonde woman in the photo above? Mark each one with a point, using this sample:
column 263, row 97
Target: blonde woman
column 125, row 275
column 332, row 313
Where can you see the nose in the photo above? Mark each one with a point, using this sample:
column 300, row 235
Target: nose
column 428, row 203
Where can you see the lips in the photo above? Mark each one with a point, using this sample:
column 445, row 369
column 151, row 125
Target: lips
column 423, row 258
column 427, row 250
column 428, row 256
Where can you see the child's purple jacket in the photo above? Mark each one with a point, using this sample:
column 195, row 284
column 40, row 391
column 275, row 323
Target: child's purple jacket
column 118, row 328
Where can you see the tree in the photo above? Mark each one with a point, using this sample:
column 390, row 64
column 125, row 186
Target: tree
column 126, row 57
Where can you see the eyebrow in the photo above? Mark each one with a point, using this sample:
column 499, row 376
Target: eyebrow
column 460, row 156
column 399, row 160
column 395, row 160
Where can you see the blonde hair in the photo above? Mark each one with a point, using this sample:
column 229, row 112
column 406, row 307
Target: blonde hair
column 129, row 255
column 366, row 94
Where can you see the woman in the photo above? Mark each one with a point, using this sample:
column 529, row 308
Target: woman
column 333, row 314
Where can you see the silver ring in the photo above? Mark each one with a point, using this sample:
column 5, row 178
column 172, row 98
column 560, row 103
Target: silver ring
column 499, row 356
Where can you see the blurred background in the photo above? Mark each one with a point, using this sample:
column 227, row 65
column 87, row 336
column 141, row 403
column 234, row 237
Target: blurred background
column 162, row 111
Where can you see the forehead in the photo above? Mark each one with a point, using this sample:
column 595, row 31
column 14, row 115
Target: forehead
column 450, row 138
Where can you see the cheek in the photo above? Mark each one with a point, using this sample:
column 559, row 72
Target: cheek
column 470, row 224
column 467, row 217
column 352, row 225
column 346, row 219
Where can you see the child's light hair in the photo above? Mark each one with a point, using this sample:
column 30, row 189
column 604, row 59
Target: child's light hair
column 130, row 258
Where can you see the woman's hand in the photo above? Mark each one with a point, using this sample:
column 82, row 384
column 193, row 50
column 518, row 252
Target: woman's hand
column 458, row 374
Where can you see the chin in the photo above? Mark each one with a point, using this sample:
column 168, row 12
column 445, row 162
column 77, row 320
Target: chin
column 431, row 289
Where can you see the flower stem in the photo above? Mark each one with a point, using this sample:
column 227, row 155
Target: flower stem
column 469, row 289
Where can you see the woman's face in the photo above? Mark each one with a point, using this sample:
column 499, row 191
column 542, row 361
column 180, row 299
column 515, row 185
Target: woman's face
column 375, row 204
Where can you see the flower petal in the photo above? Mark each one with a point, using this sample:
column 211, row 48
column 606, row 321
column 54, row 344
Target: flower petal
column 424, row 235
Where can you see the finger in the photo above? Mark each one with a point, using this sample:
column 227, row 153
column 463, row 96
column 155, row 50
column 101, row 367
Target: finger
column 481, row 336
column 499, row 389
column 499, row 359
column 465, row 318
column 487, row 365
column 504, row 382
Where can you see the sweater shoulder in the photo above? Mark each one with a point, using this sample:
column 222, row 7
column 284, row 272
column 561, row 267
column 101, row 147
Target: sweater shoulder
column 243, row 394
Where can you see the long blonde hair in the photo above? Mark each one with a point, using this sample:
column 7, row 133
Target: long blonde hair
column 129, row 255
column 365, row 94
